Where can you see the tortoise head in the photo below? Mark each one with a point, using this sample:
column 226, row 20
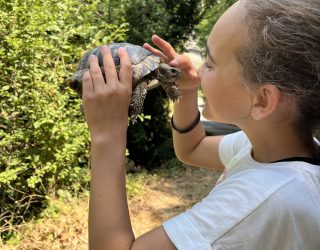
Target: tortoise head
column 166, row 73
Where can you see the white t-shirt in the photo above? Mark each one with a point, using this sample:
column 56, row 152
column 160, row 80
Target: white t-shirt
column 256, row 207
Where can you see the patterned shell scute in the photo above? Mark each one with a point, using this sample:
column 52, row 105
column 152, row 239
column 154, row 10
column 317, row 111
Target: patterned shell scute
column 143, row 60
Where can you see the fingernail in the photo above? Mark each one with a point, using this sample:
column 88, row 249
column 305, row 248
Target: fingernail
column 105, row 48
column 122, row 49
column 173, row 63
column 92, row 57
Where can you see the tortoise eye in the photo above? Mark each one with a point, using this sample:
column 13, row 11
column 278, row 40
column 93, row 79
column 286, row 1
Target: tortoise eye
column 174, row 71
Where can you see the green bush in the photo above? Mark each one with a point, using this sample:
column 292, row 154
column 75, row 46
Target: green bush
column 43, row 136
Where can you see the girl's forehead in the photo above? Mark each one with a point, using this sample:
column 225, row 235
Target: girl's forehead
column 230, row 28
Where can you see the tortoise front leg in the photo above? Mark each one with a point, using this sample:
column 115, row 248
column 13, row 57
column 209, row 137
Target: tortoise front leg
column 153, row 84
column 171, row 89
column 137, row 100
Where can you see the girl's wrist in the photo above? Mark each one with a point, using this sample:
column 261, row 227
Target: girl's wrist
column 188, row 97
column 187, row 102
column 106, row 138
column 105, row 131
column 185, row 93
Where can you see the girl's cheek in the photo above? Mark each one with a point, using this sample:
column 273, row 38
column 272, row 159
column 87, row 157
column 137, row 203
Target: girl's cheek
column 206, row 81
column 200, row 71
column 204, row 88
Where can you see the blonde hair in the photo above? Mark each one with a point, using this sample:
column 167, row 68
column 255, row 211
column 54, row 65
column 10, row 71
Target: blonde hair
column 283, row 48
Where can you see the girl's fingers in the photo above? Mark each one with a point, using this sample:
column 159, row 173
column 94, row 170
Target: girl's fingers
column 155, row 51
column 96, row 74
column 87, row 85
column 165, row 47
column 125, row 75
column 109, row 67
column 183, row 61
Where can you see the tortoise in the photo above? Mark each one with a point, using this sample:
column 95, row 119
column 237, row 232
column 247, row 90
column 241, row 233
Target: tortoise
column 148, row 72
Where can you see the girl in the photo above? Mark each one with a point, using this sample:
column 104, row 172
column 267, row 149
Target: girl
column 262, row 73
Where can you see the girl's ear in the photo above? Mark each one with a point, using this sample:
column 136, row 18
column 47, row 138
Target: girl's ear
column 265, row 101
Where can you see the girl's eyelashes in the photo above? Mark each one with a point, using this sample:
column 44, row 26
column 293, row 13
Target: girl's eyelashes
column 206, row 64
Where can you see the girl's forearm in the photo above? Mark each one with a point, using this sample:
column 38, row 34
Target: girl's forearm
column 186, row 109
column 109, row 221
column 185, row 113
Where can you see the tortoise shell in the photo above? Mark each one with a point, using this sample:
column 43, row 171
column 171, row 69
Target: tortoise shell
column 143, row 61
column 147, row 72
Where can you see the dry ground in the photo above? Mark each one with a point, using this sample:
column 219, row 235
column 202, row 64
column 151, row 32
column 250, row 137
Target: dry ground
column 163, row 196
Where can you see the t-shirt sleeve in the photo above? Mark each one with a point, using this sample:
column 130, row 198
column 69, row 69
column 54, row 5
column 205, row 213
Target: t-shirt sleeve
column 224, row 208
column 184, row 235
column 230, row 145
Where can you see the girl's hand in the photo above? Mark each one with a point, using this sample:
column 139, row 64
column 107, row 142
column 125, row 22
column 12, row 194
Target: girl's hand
column 106, row 102
column 189, row 78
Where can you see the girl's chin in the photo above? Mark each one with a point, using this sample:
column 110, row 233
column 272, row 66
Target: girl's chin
column 207, row 114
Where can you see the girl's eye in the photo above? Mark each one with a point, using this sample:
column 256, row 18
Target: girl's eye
column 207, row 65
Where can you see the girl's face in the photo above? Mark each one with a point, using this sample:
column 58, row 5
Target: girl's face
column 227, row 100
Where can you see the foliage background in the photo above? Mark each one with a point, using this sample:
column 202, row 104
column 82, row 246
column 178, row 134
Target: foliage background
column 43, row 137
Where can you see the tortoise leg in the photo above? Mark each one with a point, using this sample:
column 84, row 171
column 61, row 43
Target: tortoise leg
column 171, row 89
column 153, row 84
column 137, row 100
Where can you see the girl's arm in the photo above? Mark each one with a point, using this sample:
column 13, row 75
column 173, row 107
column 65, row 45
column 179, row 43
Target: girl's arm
column 194, row 147
column 106, row 111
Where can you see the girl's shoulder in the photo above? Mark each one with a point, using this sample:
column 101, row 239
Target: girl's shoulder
column 231, row 145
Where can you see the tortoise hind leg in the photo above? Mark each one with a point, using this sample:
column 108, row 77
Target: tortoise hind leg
column 137, row 100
